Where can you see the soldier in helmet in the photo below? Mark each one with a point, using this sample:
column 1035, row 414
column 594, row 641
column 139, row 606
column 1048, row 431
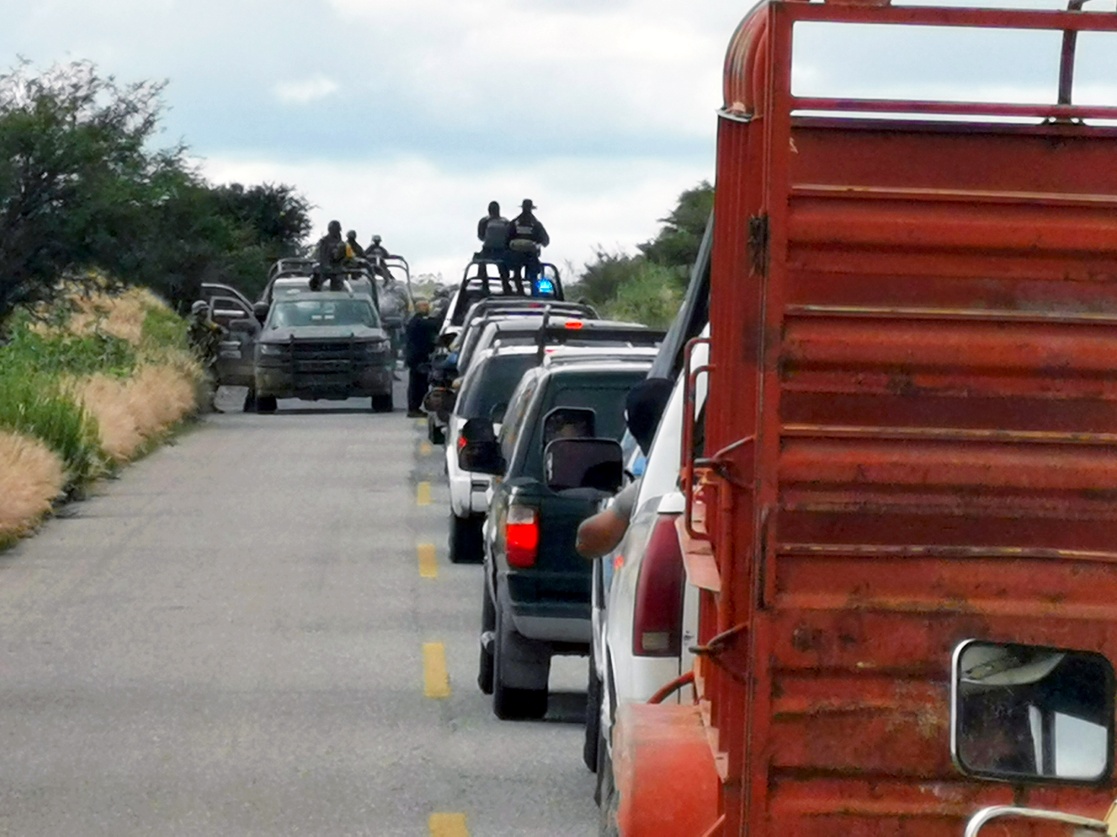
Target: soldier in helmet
column 330, row 253
column 205, row 338
column 353, row 250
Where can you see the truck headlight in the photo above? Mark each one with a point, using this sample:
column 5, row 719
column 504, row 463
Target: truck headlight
column 271, row 350
column 377, row 348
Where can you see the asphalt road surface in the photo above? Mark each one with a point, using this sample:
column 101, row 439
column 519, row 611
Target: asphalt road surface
column 256, row 631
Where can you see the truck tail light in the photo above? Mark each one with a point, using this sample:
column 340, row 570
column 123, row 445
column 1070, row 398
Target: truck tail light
column 657, row 627
column 461, row 442
column 521, row 536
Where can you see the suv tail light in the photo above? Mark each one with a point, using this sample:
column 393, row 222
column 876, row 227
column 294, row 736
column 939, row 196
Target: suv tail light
column 521, row 536
column 657, row 626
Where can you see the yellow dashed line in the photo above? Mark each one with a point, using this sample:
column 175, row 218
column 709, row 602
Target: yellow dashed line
column 425, row 449
column 423, row 494
column 448, row 825
column 436, row 680
column 428, row 562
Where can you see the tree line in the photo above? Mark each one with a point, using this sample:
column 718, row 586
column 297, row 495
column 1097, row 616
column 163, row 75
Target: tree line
column 84, row 193
column 648, row 286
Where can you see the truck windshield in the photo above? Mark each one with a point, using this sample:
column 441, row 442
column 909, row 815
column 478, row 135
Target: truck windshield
column 326, row 312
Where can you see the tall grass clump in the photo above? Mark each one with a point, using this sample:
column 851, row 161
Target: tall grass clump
column 32, row 477
column 36, row 405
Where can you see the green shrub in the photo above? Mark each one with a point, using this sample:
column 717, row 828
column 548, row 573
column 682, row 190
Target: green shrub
column 35, row 405
column 60, row 352
column 652, row 296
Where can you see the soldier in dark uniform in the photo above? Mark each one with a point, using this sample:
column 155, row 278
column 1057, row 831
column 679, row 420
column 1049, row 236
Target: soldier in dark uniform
column 205, row 336
column 493, row 231
column 330, row 253
column 419, row 340
column 527, row 237
column 376, row 253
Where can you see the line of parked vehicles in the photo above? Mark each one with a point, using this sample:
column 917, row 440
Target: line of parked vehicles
column 528, row 399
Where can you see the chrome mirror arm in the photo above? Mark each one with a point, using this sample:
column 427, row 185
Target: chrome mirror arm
column 987, row 815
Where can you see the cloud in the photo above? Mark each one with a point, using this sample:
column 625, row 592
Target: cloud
column 308, row 90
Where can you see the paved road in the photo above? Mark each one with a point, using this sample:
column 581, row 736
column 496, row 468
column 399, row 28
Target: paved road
column 235, row 638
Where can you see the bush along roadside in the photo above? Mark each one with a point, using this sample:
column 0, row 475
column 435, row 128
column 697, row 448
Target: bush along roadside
column 84, row 388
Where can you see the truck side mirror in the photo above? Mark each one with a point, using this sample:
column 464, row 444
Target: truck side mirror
column 1025, row 713
column 260, row 311
column 584, row 463
column 569, row 423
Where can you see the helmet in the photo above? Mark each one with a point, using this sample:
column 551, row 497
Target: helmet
column 376, row 239
column 199, row 307
column 351, row 235
column 335, row 228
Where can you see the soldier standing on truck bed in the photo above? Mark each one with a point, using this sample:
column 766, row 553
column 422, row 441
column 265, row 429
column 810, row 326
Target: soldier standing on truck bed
column 330, row 253
column 525, row 241
column 493, row 230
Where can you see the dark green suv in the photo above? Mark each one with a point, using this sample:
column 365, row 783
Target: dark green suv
column 536, row 600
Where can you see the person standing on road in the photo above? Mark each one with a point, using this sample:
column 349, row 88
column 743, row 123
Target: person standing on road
column 525, row 241
column 419, row 340
column 205, row 336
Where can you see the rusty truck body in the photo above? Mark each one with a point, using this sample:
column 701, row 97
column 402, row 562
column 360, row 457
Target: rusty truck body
column 909, row 440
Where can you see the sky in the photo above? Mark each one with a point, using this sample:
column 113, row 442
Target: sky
column 406, row 117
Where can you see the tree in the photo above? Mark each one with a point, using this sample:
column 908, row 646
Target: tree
column 679, row 239
column 75, row 173
column 80, row 188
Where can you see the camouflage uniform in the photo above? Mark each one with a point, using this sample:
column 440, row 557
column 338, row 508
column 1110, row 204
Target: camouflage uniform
column 205, row 338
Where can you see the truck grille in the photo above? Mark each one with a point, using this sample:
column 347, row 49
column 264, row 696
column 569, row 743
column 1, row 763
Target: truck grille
column 323, row 358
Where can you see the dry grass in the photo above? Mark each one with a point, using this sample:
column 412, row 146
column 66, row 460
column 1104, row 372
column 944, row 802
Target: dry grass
column 31, row 478
column 132, row 412
column 121, row 315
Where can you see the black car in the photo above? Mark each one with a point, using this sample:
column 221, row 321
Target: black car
column 536, row 600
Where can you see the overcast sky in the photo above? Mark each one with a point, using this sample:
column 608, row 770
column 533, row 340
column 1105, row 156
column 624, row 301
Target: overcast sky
column 406, row 117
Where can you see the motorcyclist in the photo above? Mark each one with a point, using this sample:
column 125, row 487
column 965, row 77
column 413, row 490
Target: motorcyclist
column 526, row 238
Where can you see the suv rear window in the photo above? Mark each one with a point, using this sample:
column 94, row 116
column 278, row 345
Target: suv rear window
column 603, row 392
column 493, row 383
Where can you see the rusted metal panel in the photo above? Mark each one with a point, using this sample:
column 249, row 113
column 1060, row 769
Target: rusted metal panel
column 924, row 357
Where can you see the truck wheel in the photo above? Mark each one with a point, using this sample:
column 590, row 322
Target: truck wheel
column 466, row 545
column 382, row 403
column 250, row 400
column 488, row 639
column 593, row 717
column 266, row 404
column 511, row 704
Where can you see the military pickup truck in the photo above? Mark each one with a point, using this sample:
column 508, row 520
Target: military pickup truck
column 310, row 345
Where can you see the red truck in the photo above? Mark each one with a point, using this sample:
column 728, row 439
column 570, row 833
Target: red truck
column 909, row 444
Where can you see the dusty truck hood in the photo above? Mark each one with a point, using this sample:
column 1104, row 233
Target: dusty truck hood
column 285, row 335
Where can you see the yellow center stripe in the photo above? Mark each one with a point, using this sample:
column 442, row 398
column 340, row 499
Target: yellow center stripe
column 425, row 449
column 448, row 825
column 436, row 680
column 423, row 494
column 428, row 561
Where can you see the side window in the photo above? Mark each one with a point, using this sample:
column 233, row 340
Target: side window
column 514, row 416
